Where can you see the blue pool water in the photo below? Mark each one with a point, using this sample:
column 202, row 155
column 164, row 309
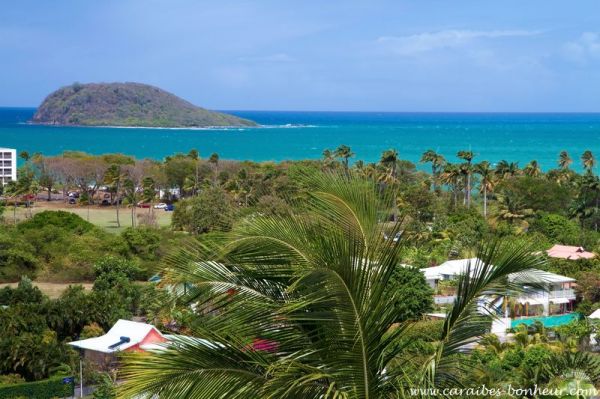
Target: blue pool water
column 548, row 321
column 304, row 135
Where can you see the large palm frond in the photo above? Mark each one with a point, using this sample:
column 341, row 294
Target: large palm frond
column 299, row 306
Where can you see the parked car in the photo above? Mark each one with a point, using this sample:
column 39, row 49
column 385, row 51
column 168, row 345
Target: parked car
column 170, row 208
column 143, row 205
column 160, row 205
column 72, row 201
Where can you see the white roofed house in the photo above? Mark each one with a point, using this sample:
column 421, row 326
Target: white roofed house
column 546, row 294
column 124, row 336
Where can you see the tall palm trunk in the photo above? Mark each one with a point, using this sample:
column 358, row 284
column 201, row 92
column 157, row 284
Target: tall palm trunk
column 455, row 194
column 484, row 201
column 596, row 214
column 118, row 206
column 469, row 188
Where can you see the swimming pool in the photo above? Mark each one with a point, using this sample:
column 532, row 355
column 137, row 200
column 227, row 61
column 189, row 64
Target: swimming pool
column 547, row 321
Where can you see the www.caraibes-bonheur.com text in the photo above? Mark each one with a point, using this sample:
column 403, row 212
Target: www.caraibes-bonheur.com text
column 510, row 391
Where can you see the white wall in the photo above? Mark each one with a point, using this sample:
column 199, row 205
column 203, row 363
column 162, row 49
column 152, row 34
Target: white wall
column 12, row 159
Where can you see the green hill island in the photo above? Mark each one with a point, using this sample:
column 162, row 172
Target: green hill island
column 126, row 104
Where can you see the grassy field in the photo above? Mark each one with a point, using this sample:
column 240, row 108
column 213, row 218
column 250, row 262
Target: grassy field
column 53, row 290
column 105, row 217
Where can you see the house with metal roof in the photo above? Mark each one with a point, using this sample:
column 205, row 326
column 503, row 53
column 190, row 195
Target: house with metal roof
column 569, row 252
column 124, row 336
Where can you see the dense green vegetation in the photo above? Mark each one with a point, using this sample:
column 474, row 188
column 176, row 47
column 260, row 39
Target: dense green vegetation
column 126, row 104
column 323, row 291
column 54, row 387
column 34, row 328
column 62, row 247
column 235, row 212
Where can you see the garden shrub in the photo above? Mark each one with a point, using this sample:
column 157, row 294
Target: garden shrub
column 55, row 387
column 65, row 220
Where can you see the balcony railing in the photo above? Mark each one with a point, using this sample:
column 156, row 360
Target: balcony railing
column 443, row 299
column 567, row 293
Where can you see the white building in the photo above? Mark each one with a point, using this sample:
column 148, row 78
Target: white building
column 8, row 165
column 547, row 293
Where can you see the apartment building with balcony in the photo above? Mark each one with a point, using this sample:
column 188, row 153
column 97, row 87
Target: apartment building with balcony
column 546, row 294
column 8, row 165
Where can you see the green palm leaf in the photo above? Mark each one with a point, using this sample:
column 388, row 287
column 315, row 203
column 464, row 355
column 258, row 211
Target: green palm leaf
column 313, row 289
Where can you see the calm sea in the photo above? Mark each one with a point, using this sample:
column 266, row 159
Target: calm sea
column 303, row 135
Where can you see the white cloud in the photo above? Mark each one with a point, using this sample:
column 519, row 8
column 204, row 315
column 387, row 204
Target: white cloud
column 586, row 47
column 428, row 41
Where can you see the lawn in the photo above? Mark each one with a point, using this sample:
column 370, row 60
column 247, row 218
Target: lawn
column 105, row 217
column 53, row 290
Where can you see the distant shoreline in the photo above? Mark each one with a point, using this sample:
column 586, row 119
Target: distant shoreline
column 284, row 136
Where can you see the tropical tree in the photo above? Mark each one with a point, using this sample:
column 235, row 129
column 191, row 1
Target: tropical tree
column 586, row 205
column 532, row 169
column 114, row 178
column 564, row 160
column 345, row 153
column 588, row 161
column 360, row 168
column 195, row 156
column 506, row 170
column 329, row 162
column 214, row 161
column 389, row 159
column 451, row 176
column 299, row 307
column 468, row 157
column 511, row 209
column 487, row 182
column 437, row 163
column 14, row 191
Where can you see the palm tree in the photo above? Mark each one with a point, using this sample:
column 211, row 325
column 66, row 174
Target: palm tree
column 450, row 176
column 588, row 160
column 195, row 156
column 149, row 193
column 467, row 156
column 564, row 160
column 505, row 170
column 587, row 203
column 303, row 307
column 13, row 190
column 132, row 195
column 389, row 177
column 389, row 159
column 532, row 169
column 114, row 177
column 487, row 182
column 329, row 162
column 513, row 169
column 344, row 152
column 512, row 210
column 437, row 162
column 360, row 168
column 214, row 161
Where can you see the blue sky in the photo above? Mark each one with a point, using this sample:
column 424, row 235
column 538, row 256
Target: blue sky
column 376, row 55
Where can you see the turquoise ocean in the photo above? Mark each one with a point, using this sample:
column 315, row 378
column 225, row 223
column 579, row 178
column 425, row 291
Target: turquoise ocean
column 517, row 137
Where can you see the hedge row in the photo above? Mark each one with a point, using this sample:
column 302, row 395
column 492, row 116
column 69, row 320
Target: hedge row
column 55, row 387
